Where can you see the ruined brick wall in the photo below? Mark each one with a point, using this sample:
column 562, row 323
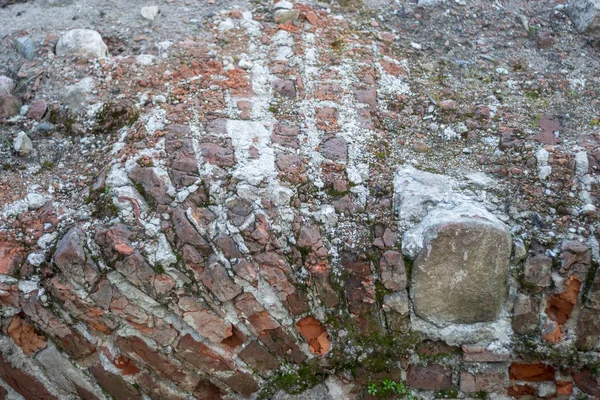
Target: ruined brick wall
column 248, row 235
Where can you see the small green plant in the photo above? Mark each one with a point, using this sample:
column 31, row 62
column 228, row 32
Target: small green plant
column 482, row 394
column 372, row 389
column 389, row 388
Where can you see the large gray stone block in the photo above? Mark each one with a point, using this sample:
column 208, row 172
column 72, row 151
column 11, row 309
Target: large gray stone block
column 461, row 251
column 585, row 15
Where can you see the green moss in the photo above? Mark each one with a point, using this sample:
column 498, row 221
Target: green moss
column 482, row 394
column 390, row 389
column 306, row 376
column 147, row 198
column 380, row 291
column 451, row 393
column 47, row 165
column 589, row 281
column 113, row 116
column 408, row 264
column 338, row 44
column 104, row 206
column 533, row 94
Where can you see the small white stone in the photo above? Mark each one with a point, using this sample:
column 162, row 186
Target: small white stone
column 416, row 46
column 35, row 201
column 542, row 156
column 502, row 71
column 149, row 12
column 22, row 144
column 544, row 172
column 83, row 43
column 47, row 239
column 164, row 255
column 36, row 259
column 226, row 25
column 145, row 59
column 245, row 63
column 28, row 286
column 283, row 5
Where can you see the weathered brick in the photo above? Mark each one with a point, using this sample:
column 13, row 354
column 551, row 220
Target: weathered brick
column 201, row 356
column 531, row 372
column 22, row 382
column 137, row 348
column 257, row 357
column 430, row 377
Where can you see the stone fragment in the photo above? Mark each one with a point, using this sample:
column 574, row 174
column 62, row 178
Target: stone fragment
column 62, row 373
column 430, row 377
column 258, row 357
column 283, row 5
column 367, row 96
column 490, row 378
column 313, row 331
column 544, row 39
column 285, row 88
column 587, row 381
column 280, row 343
column 420, row 146
column 10, row 105
column 593, row 296
column 576, row 258
column 205, row 321
column 218, row 155
column 393, row 271
column 448, row 105
column 396, row 308
column 26, row 47
column 201, row 356
column 76, row 96
column 327, row 119
column 154, row 186
column 283, row 16
column 216, row 279
column 163, row 365
column 537, row 271
column 71, row 259
column 23, row 383
column 525, row 315
column 22, row 145
column 418, row 192
column 531, row 372
column 150, row 12
column 335, row 149
column 83, row 43
column 460, row 275
column 480, row 354
column 206, row 390
column 25, row 336
column 7, row 85
column 585, row 15
column 37, row 109
column 116, row 386
column 242, row 383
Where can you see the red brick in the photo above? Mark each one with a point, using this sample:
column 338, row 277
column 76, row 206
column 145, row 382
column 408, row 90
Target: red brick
column 116, row 386
column 23, row 383
column 136, row 347
column 531, row 372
